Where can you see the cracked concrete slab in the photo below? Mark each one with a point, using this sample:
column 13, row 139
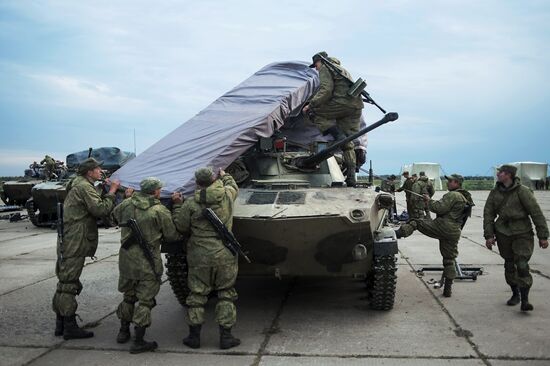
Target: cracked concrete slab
column 14, row 356
column 351, row 361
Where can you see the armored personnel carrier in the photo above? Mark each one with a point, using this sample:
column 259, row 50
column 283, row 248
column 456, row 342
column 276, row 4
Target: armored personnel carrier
column 295, row 217
column 42, row 206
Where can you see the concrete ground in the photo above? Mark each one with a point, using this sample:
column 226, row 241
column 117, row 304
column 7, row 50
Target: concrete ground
column 290, row 321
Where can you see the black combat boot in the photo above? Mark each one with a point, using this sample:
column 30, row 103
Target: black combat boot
column 193, row 340
column 124, row 332
column 71, row 330
column 58, row 325
column 227, row 340
column 514, row 300
column 140, row 345
column 525, row 305
column 448, row 288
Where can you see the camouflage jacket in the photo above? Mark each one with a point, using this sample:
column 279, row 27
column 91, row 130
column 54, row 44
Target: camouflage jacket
column 450, row 209
column 155, row 222
column 511, row 207
column 388, row 186
column 204, row 248
column 333, row 89
column 420, row 187
column 430, row 188
column 82, row 207
column 407, row 186
column 48, row 161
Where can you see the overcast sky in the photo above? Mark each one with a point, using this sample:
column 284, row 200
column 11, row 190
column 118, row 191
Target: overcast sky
column 470, row 79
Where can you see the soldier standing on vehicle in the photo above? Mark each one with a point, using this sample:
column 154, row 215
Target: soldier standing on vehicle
column 141, row 268
column 49, row 166
column 452, row 211
column 212, row 267
column 332, row 103
column 407, row 187
column 82, row 207
column 511, row 204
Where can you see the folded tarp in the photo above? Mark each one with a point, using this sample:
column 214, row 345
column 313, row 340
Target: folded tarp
column 225, row 129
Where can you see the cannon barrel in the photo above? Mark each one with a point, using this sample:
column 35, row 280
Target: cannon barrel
column 313, row 160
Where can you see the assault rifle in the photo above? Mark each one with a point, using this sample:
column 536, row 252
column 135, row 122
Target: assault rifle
column 137, row 237
column 227, row 236
column 356, row 87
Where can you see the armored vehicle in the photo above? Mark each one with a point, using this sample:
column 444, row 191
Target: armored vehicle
column 295, row 217
column 42, row 206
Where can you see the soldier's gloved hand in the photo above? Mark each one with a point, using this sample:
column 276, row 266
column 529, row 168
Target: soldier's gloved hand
column 221, row 173
column 129, row 192
column 177, row 197
column 114, row 186
column 305, row 109
column 543, row 243
column 426, row 198
column 489, row 243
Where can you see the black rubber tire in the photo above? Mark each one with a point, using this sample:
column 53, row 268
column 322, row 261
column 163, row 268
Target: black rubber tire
column 176, row 271
column 384, row 281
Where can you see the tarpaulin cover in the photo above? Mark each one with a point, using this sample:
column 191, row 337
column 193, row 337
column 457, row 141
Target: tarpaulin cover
column 225, row 129
column 112, row 157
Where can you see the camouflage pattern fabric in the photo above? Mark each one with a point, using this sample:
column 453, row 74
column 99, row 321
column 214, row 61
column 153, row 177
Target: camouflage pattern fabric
column 137, row 281
column 82, row 207
column 418, row 205
column 202, row 281
column 446, row 227
column 211, row 266
column 407, row 186
column 506, row 216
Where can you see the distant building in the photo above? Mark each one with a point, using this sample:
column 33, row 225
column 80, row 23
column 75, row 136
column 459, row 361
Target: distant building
column 432, row 170
column 532, row 174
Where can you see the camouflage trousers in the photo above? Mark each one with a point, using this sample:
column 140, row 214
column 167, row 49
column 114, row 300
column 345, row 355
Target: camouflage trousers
column 418, row 208
column 68, row 273
column 516, row 251
column 202, row 281
column 347, row 121
column 141, row 292
column 448, row 240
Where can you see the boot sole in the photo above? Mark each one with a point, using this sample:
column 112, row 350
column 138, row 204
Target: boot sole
column 71, row 337
column 143, row 350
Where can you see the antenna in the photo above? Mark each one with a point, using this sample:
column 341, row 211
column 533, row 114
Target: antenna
column 135, row 142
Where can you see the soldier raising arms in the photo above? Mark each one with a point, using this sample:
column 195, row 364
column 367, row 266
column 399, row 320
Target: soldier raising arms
column 83, row 206
column 140, row 265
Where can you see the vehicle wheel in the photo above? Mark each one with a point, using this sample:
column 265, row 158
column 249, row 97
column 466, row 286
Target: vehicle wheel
column 383, row 282
column 31, row 212
column 176, row 270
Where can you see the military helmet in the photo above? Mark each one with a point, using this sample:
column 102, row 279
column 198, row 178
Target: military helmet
column 406, row 172
column 203, row 176
column 508, row 169
column 317, row 57
column 422, row 174
column 150, row 185
column 87, row 165
column 459, row 178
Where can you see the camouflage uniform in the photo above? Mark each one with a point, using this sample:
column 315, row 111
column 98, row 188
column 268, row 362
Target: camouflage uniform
column 49, row 166
column 82, row 207
column 407, row 186
column 446, row 226
column 211, row 266
column 512, row 207
column 137, row 281
column 417, row 203
column 332, row 103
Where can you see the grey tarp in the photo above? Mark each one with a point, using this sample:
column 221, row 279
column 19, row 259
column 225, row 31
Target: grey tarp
column 225, row 129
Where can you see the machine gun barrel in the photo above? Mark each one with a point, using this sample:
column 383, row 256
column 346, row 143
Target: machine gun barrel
column 315, row 159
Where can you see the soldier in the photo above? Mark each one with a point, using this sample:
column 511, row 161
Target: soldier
column 452, row 211
column 49, row 166
column 388, row 185
column 407, row 187
column 83, row 206
column 512, row 231
column 332, row 102
column 139, row 280
column 420, row 187
column 212, row 267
